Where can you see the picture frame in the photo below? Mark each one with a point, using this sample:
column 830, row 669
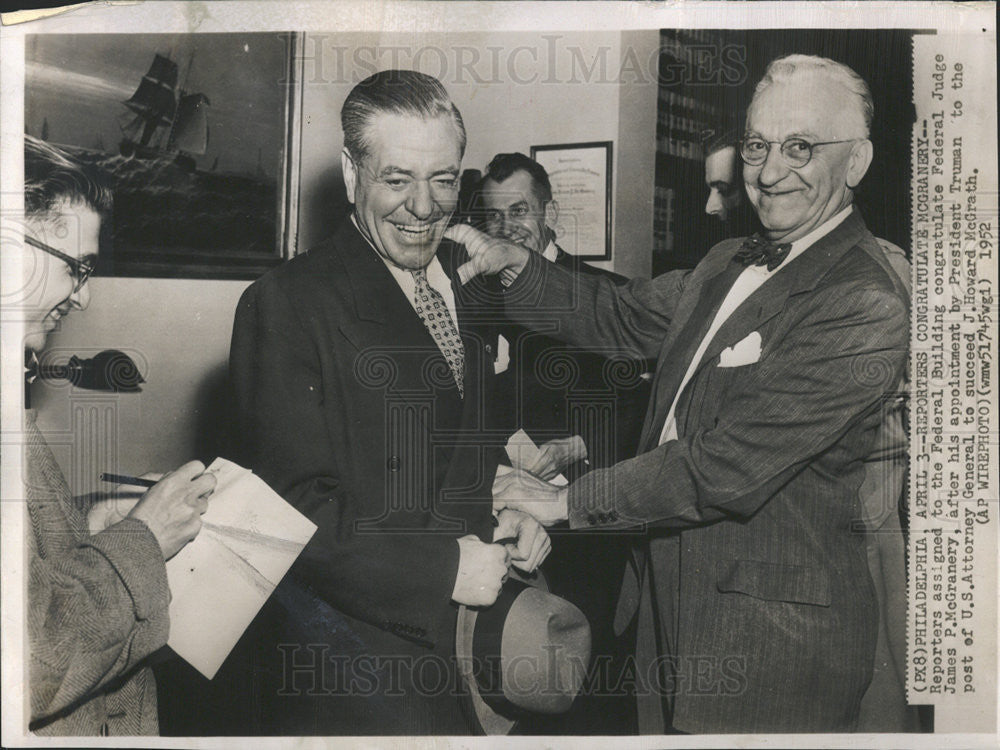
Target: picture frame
column 580, row 174
column 197, row 136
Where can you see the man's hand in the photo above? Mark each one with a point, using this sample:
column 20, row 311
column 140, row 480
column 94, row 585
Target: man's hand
column 487, row 255
column 117, row 505
column 533, row 544
column 172, row 507
column 525, row 492
column 481, row 571
column 556, row 455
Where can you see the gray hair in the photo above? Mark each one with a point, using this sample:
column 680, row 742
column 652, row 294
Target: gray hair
column 784, row 68
column 401, row 92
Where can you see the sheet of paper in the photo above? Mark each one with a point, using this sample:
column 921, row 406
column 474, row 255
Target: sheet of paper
column 522, row 452
column 249, row 539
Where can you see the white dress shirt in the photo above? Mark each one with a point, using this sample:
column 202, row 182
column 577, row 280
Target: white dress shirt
column 436, row 277
column 746, row 284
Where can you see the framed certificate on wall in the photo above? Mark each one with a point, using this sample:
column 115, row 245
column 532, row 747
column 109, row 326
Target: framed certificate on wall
column 580, row 174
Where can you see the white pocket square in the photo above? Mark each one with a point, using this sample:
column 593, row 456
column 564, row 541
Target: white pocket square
column 744, row 352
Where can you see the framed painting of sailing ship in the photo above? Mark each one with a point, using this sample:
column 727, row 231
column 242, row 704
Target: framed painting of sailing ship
column 197, row 134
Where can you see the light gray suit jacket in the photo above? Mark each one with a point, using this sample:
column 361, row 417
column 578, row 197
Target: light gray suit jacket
column 757, row 611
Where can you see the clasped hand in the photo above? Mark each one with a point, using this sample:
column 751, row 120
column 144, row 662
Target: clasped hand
column 482, row 568
column 556, row 455
column 523, row 491
column 487, row 255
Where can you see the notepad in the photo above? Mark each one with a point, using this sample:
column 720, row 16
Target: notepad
column 249, row 539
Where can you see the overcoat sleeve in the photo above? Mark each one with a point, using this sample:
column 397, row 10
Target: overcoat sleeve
column 593, row 311
column 94, row 612
column 830, row 371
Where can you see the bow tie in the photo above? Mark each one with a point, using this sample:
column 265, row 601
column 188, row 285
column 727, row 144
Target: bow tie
column 757, row 251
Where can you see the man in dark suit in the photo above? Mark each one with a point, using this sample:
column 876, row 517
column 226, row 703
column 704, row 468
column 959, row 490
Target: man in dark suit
column 596, row 399
column 756, row 611
column 584, row 409
column 362, row 374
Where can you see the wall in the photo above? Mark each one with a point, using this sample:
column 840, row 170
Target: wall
column 178, row 333
column 514, row 89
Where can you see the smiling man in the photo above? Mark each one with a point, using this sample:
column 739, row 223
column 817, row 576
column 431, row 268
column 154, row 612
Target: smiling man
column 361, row 373
column 756, row 611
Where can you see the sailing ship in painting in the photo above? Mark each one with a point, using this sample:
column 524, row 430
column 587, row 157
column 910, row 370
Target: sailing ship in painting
column 163, row 119
column 173, row 214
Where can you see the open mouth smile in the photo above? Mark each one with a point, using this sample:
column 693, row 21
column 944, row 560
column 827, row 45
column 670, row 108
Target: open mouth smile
column 415, row 231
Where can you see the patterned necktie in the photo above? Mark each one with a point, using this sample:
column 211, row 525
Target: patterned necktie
column 757, row 251
column 433, row 311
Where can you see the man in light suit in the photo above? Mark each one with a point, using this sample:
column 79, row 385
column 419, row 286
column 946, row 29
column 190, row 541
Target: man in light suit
column 362, row 375
column 756, row 609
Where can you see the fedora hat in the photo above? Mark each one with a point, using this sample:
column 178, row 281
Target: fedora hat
column 527, row 653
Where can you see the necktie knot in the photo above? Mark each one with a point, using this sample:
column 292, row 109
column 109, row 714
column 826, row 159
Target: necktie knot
column 758, row 251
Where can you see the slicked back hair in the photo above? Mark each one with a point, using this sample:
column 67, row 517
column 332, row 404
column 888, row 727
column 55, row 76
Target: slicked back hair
column 401, row 92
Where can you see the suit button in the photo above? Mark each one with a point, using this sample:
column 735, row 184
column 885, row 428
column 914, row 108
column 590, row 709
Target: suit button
column 602, row 517
column 393, row 463
column 591, row 520
column 489, row 348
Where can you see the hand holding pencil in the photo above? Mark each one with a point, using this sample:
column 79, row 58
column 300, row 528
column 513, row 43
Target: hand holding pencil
column 171, row 508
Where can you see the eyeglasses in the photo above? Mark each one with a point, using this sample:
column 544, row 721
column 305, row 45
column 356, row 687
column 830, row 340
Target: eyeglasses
column 80, row 269
column 795, row 151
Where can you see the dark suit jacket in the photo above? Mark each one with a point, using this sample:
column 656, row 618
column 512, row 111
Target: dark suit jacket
column 349, row 410
column 553, row 390
column 753, row 581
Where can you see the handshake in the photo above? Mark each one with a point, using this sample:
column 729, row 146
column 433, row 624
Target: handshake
column 524, row 503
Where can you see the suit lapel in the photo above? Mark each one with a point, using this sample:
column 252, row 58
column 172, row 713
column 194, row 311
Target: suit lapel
column 385, row 316
column 800, row 275
column 693, row 322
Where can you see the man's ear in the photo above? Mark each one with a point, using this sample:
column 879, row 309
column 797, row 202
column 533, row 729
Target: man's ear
column 552, row 214
column 860, row 160
column 350, row 171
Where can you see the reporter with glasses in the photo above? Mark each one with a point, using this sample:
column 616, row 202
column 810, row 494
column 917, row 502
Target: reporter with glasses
column 97, row 589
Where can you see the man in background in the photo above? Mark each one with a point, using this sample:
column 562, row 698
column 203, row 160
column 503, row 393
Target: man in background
column 722, row 172
column 584, row 408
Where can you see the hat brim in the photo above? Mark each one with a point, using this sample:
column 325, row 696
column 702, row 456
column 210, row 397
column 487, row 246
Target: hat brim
column 490, row 721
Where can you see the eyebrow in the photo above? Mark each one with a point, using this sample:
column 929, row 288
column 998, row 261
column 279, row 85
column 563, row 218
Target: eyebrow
column 804, row 135
column 390, row 169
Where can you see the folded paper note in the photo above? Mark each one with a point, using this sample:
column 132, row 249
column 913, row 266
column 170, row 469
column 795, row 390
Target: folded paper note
column 522, row 452
column 249, row 539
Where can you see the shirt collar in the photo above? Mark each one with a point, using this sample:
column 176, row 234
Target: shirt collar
column 802, row 244
column 435, row 271
column 821, row 231
column 551, row 252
